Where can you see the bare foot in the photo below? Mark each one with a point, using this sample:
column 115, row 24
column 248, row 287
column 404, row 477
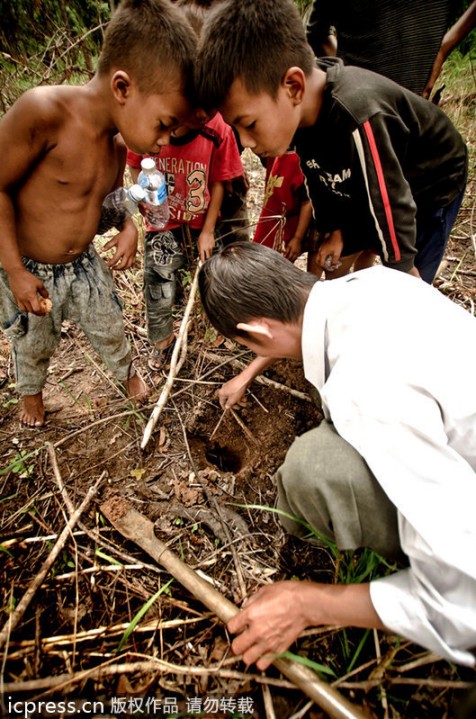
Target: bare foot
column 137, row 389
column 33, row 411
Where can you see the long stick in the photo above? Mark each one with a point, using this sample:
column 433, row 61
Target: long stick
column 133, row 525
column 20, row 609
column 175, row 365
column 62, row 681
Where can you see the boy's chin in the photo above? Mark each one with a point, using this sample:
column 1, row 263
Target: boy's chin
column 272, row 153
column 138, row 149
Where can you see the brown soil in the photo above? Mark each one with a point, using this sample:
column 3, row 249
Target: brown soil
column 211, row 502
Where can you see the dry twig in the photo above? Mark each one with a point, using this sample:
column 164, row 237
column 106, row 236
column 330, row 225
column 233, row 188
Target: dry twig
column 175, row 364
column 20, row 609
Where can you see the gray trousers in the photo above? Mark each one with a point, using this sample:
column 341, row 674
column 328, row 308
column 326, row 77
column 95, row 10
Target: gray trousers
column 82, row 291
column 326, row 482
column 163, row 256
column 165, row 252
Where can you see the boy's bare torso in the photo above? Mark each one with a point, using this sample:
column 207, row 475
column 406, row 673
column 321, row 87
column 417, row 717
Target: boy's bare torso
column 74, row 163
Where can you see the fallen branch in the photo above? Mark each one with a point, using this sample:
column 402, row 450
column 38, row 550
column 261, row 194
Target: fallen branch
column 134, row 526
column 175, row 364
column 104, row 632
column 369, row 684
column 20, row 609
column 63, row 681
column 150, row 665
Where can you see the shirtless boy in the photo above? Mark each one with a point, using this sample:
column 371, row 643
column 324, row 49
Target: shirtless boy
column 61, row 155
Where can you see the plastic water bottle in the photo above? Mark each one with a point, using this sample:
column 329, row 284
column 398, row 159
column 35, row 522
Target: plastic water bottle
column 156, row 205
column 118, row 205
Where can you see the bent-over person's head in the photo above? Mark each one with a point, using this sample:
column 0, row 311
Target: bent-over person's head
column 256, row 41
column 247, row 281
column 152, row 41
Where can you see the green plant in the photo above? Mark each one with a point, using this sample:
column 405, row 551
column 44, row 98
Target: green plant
column 5, row 551
column 12, row 400
column 102, row 555
column 185, row 277
column 351, row 567
column 315, row 666
column 19, row 464
column 68, row 391
column 143, row 610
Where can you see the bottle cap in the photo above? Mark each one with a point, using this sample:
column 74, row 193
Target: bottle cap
column 148, row 164
column 137, row 193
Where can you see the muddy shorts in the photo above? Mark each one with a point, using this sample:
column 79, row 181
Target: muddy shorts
column 81, row 291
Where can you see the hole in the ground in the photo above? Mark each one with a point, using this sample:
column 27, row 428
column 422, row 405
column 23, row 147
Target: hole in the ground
column 225, row 458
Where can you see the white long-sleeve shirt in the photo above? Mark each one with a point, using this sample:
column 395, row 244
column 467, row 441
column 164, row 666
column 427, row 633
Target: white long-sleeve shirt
column 395, row 364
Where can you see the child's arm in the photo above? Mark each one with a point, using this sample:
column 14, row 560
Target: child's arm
column 294, row 246
column 125, row 243
column 450, row 40
column 206, row 239
column 22, row 143
column 126, row 239
column 386, row 141
column 232, row 391
column 321, row 33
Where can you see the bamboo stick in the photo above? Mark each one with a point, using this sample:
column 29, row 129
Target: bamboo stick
column 134, row 526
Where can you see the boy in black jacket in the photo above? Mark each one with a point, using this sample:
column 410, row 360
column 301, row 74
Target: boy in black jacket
column 385, row 169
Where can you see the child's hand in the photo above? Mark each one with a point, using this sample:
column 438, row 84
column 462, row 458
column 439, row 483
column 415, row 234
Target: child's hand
column 25, row 288
column 330, row 250
column 206, row 245
column 125, row 243
column 293, row 249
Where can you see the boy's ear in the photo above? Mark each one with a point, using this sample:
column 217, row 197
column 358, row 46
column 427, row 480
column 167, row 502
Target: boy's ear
column 294, row 81
column 121, row 85
column 255, row 327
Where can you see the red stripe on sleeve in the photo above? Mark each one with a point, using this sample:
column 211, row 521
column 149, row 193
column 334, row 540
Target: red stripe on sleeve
column 382, row 187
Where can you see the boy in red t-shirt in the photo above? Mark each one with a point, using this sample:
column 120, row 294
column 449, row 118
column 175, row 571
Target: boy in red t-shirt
column 286, row 214
column 196, row 164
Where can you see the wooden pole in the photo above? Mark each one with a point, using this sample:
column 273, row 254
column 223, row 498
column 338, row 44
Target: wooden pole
column 134, row 526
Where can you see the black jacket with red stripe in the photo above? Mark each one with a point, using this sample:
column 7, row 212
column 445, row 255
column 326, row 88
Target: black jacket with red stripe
column 377, row 156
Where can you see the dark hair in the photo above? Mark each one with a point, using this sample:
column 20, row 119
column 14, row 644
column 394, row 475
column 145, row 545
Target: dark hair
column 256, row 40
column 195, row 11
column 248, row 281
column 153, row 42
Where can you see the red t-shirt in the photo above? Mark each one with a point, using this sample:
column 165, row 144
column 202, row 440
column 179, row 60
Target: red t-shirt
column 190, row 164
column 284, row 193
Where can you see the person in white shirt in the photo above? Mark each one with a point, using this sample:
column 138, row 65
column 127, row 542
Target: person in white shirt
column 393, row 464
